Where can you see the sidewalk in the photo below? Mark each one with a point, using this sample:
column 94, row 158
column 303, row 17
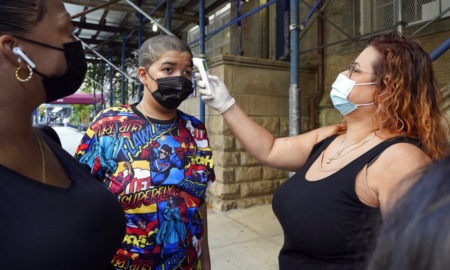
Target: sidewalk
column 244, row 239
column 70, row 138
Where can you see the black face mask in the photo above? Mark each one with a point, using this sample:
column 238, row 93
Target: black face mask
column 69, row 82
column 172, row 91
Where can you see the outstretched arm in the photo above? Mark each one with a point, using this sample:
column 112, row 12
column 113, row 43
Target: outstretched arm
column 289, row 153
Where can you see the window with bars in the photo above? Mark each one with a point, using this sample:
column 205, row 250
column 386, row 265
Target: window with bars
column 417, row 11
column 379, row 15
column 220, row 42
column 376, row 15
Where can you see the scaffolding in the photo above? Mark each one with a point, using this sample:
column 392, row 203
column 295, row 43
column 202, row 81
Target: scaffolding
column 360, row 20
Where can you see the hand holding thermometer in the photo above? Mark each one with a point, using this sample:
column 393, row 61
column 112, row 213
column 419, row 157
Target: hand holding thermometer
column 215, row 94
column 17, row 51
column 200, row 63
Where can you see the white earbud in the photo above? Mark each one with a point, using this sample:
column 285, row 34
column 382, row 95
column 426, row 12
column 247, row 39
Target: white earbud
column 18, row 51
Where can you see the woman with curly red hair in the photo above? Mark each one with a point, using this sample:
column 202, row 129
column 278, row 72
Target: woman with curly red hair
column 347, row 174
column 406, row 94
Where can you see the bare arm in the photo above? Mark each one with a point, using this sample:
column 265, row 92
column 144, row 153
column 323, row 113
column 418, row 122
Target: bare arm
column 205, row 258
column 288, row 153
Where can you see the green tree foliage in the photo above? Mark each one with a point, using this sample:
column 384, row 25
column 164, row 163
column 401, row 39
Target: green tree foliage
column 41, row 111
column 84, row 114
column 94, row 74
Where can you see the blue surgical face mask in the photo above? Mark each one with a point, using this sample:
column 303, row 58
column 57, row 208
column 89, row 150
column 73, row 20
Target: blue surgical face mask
column 340, row 90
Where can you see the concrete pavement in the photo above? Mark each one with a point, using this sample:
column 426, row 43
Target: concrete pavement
column 70, row 138
column 249, row 238
column 243, row 239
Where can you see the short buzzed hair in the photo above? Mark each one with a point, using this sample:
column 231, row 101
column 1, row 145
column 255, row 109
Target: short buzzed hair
column 154, row 47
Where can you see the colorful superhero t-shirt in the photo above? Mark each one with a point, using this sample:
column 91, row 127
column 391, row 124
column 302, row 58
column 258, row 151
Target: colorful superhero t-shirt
column 159, row 171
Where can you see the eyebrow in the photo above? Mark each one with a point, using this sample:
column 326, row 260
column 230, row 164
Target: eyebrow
column 168, row 63
column 360, row 67
column 173, row 64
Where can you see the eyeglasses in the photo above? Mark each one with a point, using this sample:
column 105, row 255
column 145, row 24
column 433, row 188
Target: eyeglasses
column 356, row 66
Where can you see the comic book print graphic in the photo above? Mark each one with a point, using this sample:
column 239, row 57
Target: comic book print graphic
column 159, row 172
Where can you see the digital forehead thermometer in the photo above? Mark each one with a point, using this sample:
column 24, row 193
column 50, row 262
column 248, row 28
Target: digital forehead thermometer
column 200, row 63
column 17, row 51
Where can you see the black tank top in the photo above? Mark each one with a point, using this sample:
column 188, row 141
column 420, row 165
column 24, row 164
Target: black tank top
column 325, row 224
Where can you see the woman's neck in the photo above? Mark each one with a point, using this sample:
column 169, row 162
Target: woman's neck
column 14, row 124
column 17, row 102
column 357, row 129
column 16, row 112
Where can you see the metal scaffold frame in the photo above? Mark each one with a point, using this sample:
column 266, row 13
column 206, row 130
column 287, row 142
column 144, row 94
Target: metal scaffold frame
column 296, row 33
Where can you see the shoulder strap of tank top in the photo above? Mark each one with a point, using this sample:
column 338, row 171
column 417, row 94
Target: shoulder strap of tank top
column 392, row 141
column 372, row 155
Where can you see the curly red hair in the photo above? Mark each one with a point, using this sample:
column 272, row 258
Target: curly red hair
column 406, row 93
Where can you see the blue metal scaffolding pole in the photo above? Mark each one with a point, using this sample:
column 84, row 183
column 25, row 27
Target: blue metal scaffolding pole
column 310, row 13
column 238, row 32
column 149, row 18
column 102, row 77
column 94, row 96
column 35, row 116
column 139, row 46
column 157, row 7
column 294, row 90
column 122, row 83
column 440, row 50
column 168, row 14
column 111, row 90
column 234, row 21
column 202, row 50
column 144, row 20
column 94, row 100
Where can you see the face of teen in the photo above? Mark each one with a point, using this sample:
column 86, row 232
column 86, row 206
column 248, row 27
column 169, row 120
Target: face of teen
column 171, row 63
column 361, row 71
column 54, row 29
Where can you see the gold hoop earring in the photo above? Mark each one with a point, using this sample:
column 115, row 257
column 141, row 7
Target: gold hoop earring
column 27, row 79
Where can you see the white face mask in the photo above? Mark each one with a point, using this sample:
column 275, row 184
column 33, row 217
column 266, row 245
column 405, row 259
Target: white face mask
column 340, row 90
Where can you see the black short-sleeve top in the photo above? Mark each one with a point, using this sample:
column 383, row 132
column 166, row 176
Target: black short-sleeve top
column 48, row 227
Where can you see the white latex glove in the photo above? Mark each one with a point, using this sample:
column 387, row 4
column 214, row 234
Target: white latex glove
column 220, row 98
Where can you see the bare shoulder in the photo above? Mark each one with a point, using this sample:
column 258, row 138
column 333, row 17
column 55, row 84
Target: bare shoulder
column 291, row 153
column 403, row 155
column 397, row 162
column 307, row 140
column 325, row 132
